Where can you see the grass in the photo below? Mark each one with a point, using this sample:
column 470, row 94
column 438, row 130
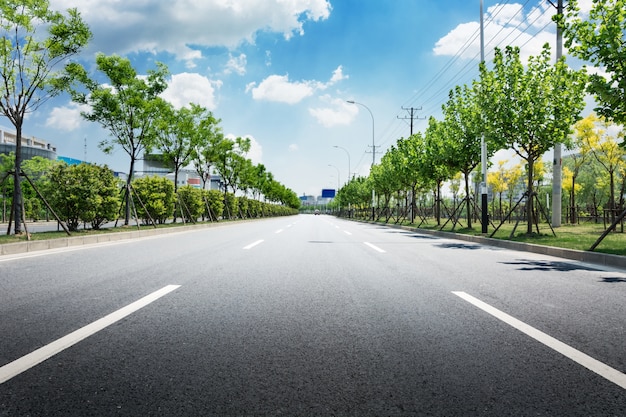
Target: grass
column 88, row 232
column 580, row 236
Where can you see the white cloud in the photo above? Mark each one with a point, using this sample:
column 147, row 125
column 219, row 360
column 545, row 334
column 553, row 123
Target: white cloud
column 338, row 75
column 504, row 25
column 337, row 112
column 278, row 88
column 66, row 118
column 293, row 148
column 142, row 25
column 236, row 64
column 186, row 88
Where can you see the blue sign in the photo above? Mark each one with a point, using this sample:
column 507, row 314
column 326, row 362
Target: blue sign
column 326, row 193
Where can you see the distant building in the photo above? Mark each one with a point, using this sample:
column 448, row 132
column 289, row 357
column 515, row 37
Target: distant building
column 31, row 146
column 153, row 165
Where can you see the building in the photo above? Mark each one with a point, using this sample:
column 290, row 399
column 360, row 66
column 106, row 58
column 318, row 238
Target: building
column 153, row 165
column 31, row 146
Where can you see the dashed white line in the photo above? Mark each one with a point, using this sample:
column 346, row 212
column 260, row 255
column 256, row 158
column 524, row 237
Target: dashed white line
column 348, row 233
column 279, row 231
column 34, row 358
column 577, row 356
column 376, row 248
column 253, row 244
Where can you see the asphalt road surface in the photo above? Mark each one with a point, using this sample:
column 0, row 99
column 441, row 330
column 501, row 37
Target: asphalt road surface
column 308, row 316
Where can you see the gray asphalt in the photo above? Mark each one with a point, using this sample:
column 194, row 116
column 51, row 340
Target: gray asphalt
column 310, row 321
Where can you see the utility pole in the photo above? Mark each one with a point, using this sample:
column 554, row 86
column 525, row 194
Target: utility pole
column 557, row 167
column 412, row 116
column 483, row 146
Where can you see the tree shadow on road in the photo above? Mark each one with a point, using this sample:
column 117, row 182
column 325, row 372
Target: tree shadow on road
column 614, row 280
column 528, row 265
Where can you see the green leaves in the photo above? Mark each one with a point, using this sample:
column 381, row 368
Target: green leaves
column 599, row 39
column 83, row 193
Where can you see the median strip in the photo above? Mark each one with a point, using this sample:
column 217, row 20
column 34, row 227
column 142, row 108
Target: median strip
column 577, row 356
column 34, row 358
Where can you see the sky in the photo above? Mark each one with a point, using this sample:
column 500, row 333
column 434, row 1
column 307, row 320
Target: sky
column 281, row 72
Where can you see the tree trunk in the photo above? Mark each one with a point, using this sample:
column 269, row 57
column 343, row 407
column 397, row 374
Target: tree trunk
column 127, row 202
column 467, row 201
column 529, row 199
column 17, row 180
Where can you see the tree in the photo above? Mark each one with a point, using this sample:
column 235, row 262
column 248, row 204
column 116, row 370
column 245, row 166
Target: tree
column 157, row 198
column 207, row 151
column 599, row 38
column 498, row 183
column 433, row 160
column 127, row 107
column 83, row 193
column 463, row 129
column 178, row 135
column 606, row 150
column 33, row 67
column 231, row 161
column 583, row 129
column 530, row 109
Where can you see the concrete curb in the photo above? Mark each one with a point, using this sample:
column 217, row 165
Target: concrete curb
column 576, row 255
column 65, row 242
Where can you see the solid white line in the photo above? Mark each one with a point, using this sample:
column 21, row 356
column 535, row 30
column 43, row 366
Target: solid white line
column 24, row 363
column 577, row 356
column 253, row 244
column 376, row 248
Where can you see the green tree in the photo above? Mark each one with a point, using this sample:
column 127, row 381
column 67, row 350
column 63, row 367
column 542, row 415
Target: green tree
column 463, row 129
column 433, row 160
column 599, row 39
column 157, row 197
column 207, row 151
column 127, row 106
column 214, row 204
column 530, row 109
column 33, row 67
column 83, row 193
column 179, row 135
column 192, row 204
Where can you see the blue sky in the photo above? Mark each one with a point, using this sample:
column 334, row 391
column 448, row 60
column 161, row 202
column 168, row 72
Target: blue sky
column 280, row 72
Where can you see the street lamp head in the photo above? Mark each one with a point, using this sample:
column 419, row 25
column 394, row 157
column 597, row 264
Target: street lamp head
column 350, row 101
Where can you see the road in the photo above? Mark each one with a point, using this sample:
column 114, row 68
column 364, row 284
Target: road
column 308, row 316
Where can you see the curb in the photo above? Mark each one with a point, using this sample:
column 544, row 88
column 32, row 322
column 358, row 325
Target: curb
column 603, row 259
column 65, row 242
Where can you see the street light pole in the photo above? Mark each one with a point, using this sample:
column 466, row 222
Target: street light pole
column 347, row 153
column 338, row 180
column 373, row 148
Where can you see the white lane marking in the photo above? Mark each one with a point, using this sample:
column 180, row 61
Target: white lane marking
column 253, row 244
column 34, row 358
column 348, row 233
column 577, row 356
column 279, row 231
column 376, row 248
